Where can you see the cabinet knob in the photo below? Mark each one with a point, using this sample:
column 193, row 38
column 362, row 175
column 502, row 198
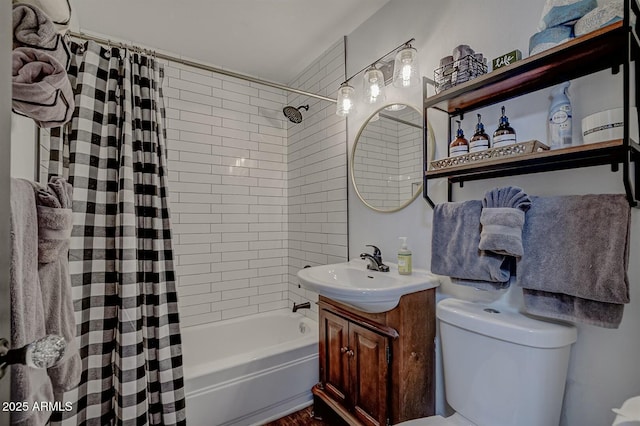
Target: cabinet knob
column 344, row 349
column 349, row 352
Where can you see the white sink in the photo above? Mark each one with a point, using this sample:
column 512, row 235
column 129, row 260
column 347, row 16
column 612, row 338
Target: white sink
column 370, row 291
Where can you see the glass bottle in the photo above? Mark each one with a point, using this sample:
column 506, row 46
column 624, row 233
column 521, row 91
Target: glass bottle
column 480, row 140
column 459, row 145
column 504, row 134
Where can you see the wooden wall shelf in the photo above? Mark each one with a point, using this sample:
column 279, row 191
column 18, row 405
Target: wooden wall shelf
column 610, row 152
column 612, row 47
column 578, row 57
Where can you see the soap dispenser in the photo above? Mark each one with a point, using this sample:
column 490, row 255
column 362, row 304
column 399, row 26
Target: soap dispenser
column 459, row 146
column 404, row 258
column 504, row 134
column 480, row 139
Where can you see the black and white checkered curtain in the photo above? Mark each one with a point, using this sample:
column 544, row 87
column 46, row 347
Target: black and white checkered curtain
column 120, row 260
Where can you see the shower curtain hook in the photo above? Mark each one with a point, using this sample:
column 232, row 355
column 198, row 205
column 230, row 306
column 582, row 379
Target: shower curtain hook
column 109, row 47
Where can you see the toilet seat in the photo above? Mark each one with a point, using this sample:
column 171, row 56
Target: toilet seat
column 455, row 420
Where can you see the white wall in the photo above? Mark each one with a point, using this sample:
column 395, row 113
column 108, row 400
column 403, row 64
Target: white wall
column 23, row 147
column 317, row 174
column 604, row 369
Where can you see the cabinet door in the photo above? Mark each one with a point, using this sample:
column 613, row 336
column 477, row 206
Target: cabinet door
column 369, row 375
column 334, row 361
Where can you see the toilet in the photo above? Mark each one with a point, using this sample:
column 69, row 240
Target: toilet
column 501, row 368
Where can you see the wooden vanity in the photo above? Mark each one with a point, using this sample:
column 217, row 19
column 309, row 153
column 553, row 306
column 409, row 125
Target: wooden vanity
column 377, row 369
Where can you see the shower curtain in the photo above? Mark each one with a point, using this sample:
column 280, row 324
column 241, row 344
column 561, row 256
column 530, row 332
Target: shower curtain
column 120, row 259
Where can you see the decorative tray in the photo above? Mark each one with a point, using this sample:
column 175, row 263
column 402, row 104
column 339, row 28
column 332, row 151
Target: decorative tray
column 490, row 154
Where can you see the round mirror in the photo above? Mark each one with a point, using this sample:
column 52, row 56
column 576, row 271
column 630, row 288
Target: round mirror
column 386, row 160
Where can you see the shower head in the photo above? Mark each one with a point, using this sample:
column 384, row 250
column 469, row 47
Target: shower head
column 293, row 114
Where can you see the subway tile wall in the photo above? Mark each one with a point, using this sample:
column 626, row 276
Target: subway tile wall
column 227, row 162
column 317, row 175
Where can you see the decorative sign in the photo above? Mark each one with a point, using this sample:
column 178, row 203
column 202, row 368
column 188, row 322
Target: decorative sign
column 507, row 59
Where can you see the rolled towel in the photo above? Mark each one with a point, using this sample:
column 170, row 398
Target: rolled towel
column 41, row 87
column 549, row 38
column 502, row 218
column 454, row 247
column 33, row 28
column 564, row 12
column 508, row 196
column 59, row 11
column 58, row 194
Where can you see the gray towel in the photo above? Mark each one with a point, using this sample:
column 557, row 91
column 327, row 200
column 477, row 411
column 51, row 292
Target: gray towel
column 41, row 88
column 502, row 219
column 55, row 221
column 454, row 248
column 33, row 28
column 576, row 253
column 27, row 309
column 59, row 11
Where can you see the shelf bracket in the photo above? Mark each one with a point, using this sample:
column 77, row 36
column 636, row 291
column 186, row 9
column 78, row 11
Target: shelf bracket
column 425, row 194
column 615, row 69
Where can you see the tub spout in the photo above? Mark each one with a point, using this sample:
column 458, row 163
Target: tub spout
column 305, row 305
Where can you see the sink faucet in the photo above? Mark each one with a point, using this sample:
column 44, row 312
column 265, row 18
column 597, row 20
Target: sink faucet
column 305, row 305
column 375, row 260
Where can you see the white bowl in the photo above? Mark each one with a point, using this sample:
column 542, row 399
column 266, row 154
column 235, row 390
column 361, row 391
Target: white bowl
column 606, row 125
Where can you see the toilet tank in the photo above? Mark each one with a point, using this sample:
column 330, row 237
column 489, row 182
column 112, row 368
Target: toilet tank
column 502, row 368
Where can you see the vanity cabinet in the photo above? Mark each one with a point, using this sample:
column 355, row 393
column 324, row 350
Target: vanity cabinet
column 614, row 46
column 377, row 369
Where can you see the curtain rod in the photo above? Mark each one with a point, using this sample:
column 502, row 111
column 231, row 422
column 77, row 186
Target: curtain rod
column 216, row 70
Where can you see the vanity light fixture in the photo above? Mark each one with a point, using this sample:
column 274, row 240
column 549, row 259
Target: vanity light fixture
column 405, row 70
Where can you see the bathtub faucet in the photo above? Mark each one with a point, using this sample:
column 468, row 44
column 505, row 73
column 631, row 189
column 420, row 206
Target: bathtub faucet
column 305, row 305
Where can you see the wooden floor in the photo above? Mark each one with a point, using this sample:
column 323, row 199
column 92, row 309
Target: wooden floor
column 299, row 418
column 303, row 418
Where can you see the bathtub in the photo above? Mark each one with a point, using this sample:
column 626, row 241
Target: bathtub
column 249, row 370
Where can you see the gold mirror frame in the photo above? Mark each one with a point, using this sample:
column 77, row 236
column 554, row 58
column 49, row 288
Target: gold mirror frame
column 430, row 145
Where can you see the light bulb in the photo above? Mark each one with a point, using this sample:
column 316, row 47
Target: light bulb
column 406, row 75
